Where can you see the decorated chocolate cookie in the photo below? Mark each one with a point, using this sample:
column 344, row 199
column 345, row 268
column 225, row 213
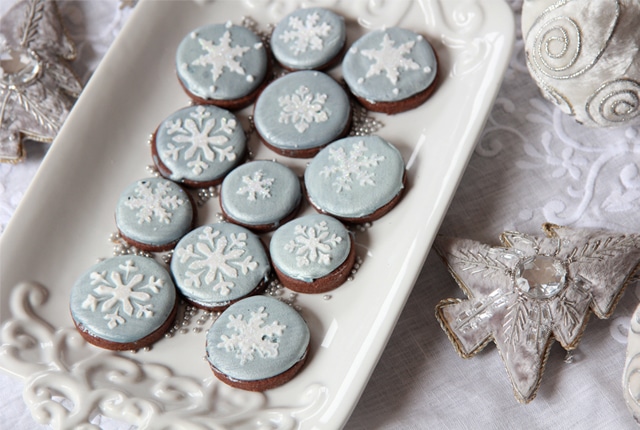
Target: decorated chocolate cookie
column 301, row 112
column 222, row 64
column 312, row 254
column 154, row 213
column 123, row 303
column 260, row 195
column 257, row 344
column 309, row 39
column 198, row 145
column 391, row 70
column 356, row 179
column 218, row 264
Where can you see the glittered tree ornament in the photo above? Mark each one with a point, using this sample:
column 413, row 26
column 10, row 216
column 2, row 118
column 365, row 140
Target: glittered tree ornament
column 529, row 291
column 584, row 57
column 36, row 84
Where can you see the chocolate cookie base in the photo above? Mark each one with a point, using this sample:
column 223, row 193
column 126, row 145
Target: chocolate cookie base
column 151, row 247
column 324, row 284
column 399, row 106
column 332, row 62
column 151, row 338
column 232, row 104
column 220, row 307
column 262, row 384
column 260, row 228
column 306, row 152
column 377, row 214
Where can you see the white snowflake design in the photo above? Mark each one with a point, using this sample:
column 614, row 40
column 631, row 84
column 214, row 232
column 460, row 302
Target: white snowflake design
column 252, row 336
column 313, row 244
column 306, row 35
column 121, row 291
column 157, row 202
column 302, row 108
column 198, row 137
column 256, row 185
column 216, row 260
column 390, row 59
column 221, row 56
column 353, row 166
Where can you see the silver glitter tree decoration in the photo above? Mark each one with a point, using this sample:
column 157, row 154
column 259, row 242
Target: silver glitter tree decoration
column 36, row 83
column 531, row 290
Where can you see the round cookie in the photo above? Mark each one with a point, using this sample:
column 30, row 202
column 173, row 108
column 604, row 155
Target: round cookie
column 198, row 145
column 218, row 264
column 356, row 179
column 312, row 254
column 123, row 303
column 391, row 70
column 222, row 64
column 257, row 344
column 299, row 113
column 307, row 39
column 260, row 195
column 152, row 214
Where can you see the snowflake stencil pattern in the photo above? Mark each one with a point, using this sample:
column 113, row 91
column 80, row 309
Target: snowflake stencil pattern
column 256, row 185
column 390, row 59
column 306, row 35
column 121, row 291
column 157, row 202
column 216, row 260
column 252, row 336
column 221, row 56
column 198, row 137
column 313, row 244
column 302, row 108
column 355, row 166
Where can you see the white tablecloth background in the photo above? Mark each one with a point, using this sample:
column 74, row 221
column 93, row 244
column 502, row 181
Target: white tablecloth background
column 533, row 164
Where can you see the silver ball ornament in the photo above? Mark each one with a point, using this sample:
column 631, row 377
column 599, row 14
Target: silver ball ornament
column 584, row 56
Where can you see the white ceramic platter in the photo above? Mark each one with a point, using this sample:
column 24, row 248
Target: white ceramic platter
column 66, row 218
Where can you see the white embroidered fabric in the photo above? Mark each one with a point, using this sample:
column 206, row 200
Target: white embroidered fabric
column 532, row 165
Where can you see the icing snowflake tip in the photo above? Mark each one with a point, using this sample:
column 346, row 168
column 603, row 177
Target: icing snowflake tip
column 252, row 336
column 120, row 290
column 256, row 186
column 153, row 202
column 389, row 59
column 354, row 167
column 200, row 136
column 307, row 35
column 313, row 244
column 302, row 108
column 214, row 260
column 221, row 56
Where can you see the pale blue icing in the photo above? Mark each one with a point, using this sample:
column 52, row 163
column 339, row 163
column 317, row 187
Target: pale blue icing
column 310, row 247
column 123, row 299
column 200, row 143
column 219, row 263
column 154, row 211
column 257, row 338
column 354, row 176
column 221, row 61
column 308, row 38
column 302, row 110
column 412, row 65
column 260, row 193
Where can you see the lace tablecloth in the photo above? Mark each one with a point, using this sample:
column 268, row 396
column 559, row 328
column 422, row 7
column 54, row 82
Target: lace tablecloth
column 533, row 164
